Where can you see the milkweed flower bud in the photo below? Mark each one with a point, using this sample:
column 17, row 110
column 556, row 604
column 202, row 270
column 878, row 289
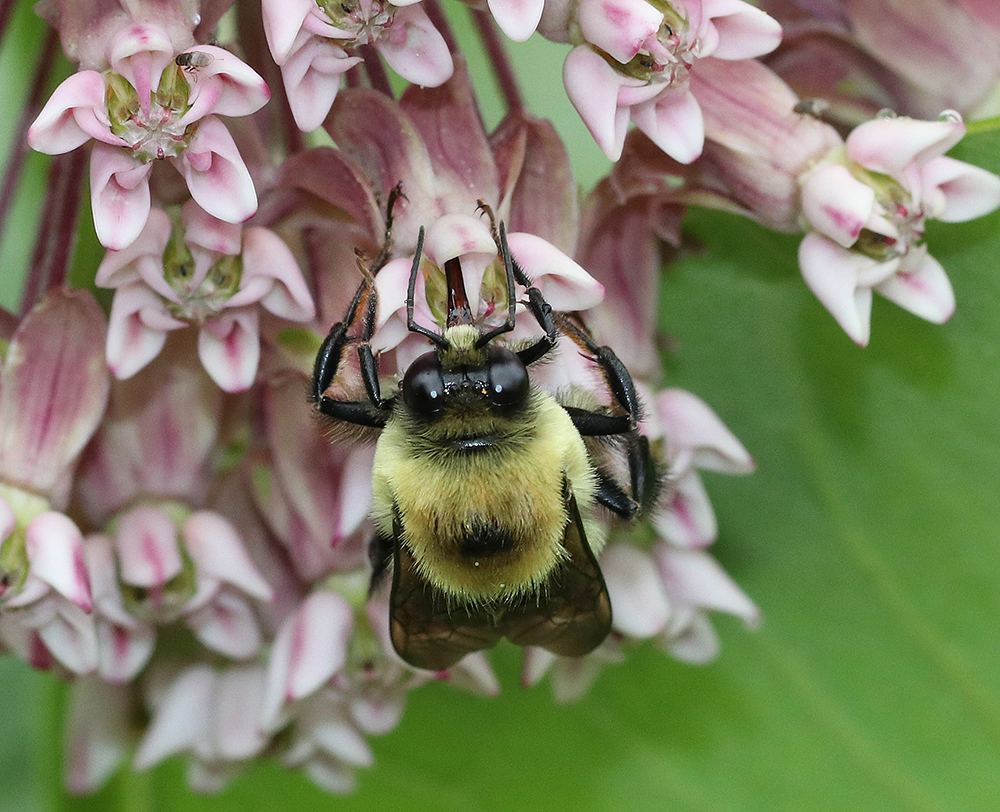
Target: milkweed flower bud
column 45, row 586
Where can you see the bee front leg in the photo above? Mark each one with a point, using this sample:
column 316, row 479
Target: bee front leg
column 373, row 412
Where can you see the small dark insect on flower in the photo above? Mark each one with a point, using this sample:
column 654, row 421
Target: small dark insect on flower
column 192, row 61
column 812, row 107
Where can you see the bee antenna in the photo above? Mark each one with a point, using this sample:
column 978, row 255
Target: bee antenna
column 411, row 325
column 508, row 264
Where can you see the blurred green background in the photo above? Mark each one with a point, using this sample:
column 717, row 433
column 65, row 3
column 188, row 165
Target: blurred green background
column 868, row 536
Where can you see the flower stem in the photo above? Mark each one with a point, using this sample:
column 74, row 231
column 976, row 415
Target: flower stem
column 437, row 16
column 54, row 246
column 502, row 69
column 377, row 76
column 6, row 7
column 278, row 115
column 19, row 149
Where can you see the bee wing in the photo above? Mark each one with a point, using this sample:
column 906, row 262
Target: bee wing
column 575, row 616
column 424, row 632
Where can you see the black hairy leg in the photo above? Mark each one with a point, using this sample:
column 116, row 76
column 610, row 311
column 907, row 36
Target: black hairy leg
column 645, row 479
column 536, row 304
column 361, row 315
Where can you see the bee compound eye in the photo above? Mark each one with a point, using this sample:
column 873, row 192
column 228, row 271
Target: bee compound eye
column 423, row 386
column 508, row 379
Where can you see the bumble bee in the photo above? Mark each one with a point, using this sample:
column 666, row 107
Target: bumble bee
column 484, row 491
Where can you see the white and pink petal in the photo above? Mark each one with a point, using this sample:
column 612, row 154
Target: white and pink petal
column 229, row 349
column 309, row 648
column 593, row 87
column 693, row 578
column 689, row 422
column 415, row 49
column 227, row 86
column 836, row 204
column 216, row 175
column 311, row 75
column 74, row 113
column 618, row 27
column 891, row 145
column 518, row 19
column 964, row 191
column 743, row 31
column 54, row 547
column 147, row 547
column 119, row 195
column 268, row 264
column 832, row 273
column 921, row 286
column 228, row 625
column 137, row 329
column 283, row 20
column 673, row 121
column 639, row 604
column 218, row 551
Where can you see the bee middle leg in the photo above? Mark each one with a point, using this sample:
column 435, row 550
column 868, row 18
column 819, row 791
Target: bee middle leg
column 643, row 473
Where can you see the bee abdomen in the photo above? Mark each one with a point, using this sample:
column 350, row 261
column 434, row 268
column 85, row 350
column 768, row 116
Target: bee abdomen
column 485, row 540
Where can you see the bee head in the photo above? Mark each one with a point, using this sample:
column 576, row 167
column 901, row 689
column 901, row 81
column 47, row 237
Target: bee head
column 465, row 375
column 465, row 370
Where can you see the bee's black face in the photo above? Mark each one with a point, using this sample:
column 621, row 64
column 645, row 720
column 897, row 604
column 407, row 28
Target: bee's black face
column 502, row 382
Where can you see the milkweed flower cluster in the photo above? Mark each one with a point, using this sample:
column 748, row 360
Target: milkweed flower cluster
column 182, row 540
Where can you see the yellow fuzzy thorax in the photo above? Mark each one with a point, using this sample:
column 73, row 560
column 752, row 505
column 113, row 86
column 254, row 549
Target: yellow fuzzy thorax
column 516, row 487
column 461, row 348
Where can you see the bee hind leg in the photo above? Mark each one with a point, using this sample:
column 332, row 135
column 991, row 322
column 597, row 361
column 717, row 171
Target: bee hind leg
column 380, row 558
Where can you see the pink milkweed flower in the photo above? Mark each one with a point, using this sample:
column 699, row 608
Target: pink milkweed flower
column 209, row 714
column 173, row 564
column 98, row 732
column 661, row 594
column 638, row 57
column 310, row 41
column 315, row 495
column 564, row 284
column 145, row 478
column 53, row 392
column 145, row 107
column 695, row 438
column 867, row 208
column 333, row 679
column 197, row 269
column 432, row 141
